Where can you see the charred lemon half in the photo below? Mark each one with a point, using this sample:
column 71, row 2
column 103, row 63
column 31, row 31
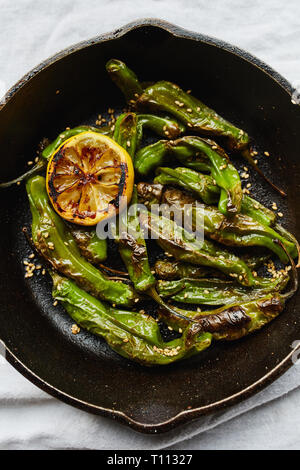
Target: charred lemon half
column 89, row 178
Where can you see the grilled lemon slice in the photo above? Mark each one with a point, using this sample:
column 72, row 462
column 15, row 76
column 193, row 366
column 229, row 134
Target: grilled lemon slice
column 89, row 178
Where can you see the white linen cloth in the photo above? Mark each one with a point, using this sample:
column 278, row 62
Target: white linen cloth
column 32, row 30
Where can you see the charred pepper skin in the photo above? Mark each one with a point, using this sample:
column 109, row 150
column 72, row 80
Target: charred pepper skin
column 90, row 245
column 215, row 291
column 176, row 241
column 126, row 132
column 222, row 171
column 201, row 185
column 176, row 270
column 239, row 231
column 56, row 244
column 169, row 98
column 250, row 316
column 133, row 335
column 133, row 250
column 132, row 246
column 195, row 184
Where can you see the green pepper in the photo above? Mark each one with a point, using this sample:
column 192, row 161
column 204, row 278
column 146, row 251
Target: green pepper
column 90, row 245
column 239, row 230
column 125, row 79
column 170, row 270
column 56, row 244
column 133, row 250
column 178, row 242
column 230, row 322
column 125, row 132
column 150, row 157
column 218, row 291
column 222, row 171
column 162, row 125
column 203, row 186
column 167, row 97
column 135, row 336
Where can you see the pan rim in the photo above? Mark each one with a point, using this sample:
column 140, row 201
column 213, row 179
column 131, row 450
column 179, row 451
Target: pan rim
column 184, row 416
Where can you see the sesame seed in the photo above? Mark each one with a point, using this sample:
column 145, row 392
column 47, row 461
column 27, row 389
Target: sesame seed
column 280, row 214
column 267, row 154
column 55, row 303
column 75, row 329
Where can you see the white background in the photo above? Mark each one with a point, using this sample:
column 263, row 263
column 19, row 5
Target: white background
column 30, row 31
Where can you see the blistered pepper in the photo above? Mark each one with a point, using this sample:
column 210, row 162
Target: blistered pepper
column 216, row 291
column 176, row 241
column 133, row 335
column 56, row 244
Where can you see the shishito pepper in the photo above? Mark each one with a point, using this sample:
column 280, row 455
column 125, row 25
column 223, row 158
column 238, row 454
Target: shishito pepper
column 167, row 97
column 133, row 335
column 133, row 250
column 162, row 125
column 225, row 322
column 125, row 132
column 216, row 291
column 125, row 79
column 172, row 270
column 56, row 244
column 222, row 171
column 90, row 245
column 240, row 230
column 132, row 246
column 176, row 241
column 203, row 185
column 230, row 322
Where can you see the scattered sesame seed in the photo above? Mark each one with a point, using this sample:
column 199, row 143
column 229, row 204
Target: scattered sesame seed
column 280, row 214
column 75, row 329
column 55, row 303
column 267, row 154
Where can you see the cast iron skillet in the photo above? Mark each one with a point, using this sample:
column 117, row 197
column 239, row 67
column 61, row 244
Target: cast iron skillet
column 81, row 370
